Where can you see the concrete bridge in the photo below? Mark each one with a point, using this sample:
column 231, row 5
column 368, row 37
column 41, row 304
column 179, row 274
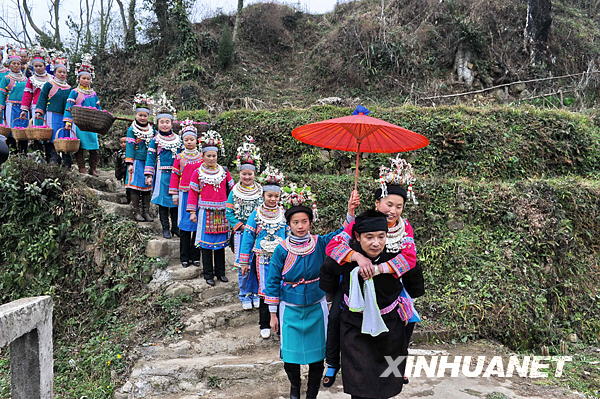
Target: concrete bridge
column 26, row 325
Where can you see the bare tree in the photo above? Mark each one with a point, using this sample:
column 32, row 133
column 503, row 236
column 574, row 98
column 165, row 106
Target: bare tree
column 54, row 19
column 537, row 30
column 9, row 24
column 105, row 21
column 236, row 24
column 45, row 38
column 128, row 21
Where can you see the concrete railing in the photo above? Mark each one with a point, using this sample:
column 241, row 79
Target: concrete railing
column 26, row 324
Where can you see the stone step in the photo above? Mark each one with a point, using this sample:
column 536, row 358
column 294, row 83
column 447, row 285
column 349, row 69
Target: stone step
column 118, row 196
column 115, row 208
column 197, row 375
column 220, row 317
column 104, row 182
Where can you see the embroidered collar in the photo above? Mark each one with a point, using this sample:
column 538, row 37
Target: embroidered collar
column 301, row 248
column 38, row 81
column 172, row 142
column 18, row 77
column 212, row 176
column 60, row 83
column 247, row 193
column 145, row 133
column 395, row 236
column 89, row 91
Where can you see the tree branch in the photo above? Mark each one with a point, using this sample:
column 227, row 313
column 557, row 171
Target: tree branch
column 37, row 30
column 506, row 85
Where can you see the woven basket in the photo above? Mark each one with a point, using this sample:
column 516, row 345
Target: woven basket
column 65, row 145
column 39, row 133
column 91, row 119
column 19, row 134
column 5, row 131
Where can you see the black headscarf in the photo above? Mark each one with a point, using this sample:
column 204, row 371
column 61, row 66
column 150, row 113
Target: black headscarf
column 392, row 189
column 297, row 209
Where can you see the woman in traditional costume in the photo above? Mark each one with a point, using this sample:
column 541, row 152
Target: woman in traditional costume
column 33, row 88
column 209, row 188
column 84, row 96
column 293, row 284
column 162, row 151
column 243, row 199
column 264, row 230
column 138, row 137
column 51, row 105
column 390, row 198
column 12, row 87
column 184, row 168
column 374, row 314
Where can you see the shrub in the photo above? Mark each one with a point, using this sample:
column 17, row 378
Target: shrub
column 225, row 54
column 516, row 262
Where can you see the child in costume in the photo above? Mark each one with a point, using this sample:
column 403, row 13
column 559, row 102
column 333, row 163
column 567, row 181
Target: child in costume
column 396, row 189
column 264, row 230
column 83, row 95
column 184, row 167
column 12, row 87
column 34, row 87
column 162, row 150
column 245, row 196
column 209, row 188
column 139, row 135
column 51, row 105
column 293, row 284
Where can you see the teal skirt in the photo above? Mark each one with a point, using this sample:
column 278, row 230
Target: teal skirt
column 303, row 332
column 88, row 140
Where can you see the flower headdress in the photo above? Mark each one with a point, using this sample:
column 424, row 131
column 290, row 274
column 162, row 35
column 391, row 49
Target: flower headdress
column 211, row 141
column 271, row 179
column 399, row 174
column 164, row 108
column 188, row 128
column 12, row 54
column 248, row 155
column 39, row 54
column 299, row 196
column 143, row 102
column 85, row 66
column 59, row 59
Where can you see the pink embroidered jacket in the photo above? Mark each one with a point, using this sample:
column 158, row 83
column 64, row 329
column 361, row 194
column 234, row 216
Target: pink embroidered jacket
column 206, row 196
column 182, row 171
column 339, row 250
column 31, row 95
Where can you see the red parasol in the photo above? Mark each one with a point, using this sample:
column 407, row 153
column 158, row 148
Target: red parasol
column 359, row 133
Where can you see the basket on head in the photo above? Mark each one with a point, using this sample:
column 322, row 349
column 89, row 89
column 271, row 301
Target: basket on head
column 92, row 119
column 65, row 144
column 38, row 132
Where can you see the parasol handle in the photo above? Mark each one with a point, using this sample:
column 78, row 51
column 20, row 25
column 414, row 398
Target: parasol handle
column 119, row 118
column 356, row 167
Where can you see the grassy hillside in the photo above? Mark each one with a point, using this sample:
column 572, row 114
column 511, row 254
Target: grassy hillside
column 286, row 57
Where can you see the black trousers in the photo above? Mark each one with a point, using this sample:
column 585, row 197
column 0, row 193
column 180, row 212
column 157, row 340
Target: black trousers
column 213, row 263
column 332, row 347
column 188, row 252
column 163, row 214
column 264, row 316
column 315, row 373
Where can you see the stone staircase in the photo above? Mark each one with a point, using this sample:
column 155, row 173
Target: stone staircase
column 220, row 353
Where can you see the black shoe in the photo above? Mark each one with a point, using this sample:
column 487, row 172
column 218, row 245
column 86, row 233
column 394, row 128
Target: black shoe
column 405, row 380
column 223, row 279
column 184, row 264
column 196, row 263
column 175, row 231
column 329, row 380
column 210, row 282
column 167, row 234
